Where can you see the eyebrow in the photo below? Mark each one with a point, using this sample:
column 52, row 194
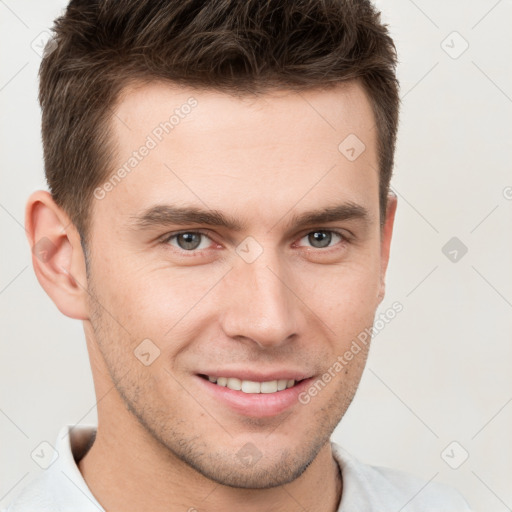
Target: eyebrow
column 162, row 215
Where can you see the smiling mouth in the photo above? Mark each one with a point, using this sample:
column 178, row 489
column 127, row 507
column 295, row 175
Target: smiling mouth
column 252, row 387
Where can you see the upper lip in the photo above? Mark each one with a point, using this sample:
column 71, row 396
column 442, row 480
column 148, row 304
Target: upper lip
column 258, row 376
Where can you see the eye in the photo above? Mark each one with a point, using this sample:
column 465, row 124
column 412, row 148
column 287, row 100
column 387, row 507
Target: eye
column 189, row 240
column 322, row 238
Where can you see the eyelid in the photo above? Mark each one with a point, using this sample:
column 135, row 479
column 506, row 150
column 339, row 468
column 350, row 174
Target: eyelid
column 345, row 233
column 168, row 236
column 341, row 233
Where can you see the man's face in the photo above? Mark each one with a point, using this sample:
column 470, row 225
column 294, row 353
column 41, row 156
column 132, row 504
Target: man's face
column 263, row 298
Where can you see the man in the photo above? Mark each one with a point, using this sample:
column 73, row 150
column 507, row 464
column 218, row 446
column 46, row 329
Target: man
column 220, row 221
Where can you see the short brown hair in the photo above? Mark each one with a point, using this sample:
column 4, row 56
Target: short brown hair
column 237, row 46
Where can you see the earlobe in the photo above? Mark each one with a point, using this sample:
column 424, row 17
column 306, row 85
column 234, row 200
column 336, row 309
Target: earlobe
column 57, row 255
column 386, row 235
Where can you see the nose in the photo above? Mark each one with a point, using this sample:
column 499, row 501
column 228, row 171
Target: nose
column 260, row 305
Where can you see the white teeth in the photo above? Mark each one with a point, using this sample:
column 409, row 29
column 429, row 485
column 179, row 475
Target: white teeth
column 234, row 383
column 252, row 387
column 249, row 386
column 269, row 387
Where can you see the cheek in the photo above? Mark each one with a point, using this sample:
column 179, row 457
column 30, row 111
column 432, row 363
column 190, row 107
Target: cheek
column 155, row 300
column 342, row 296
column 161, row 303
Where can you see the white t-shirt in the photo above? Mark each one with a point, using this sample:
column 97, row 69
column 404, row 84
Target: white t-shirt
column 61, row 487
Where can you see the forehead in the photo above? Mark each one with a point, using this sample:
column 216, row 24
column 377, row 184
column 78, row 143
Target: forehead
column 261, row 155
column 151, row 108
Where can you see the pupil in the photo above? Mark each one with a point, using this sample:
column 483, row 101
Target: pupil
column 320, row 239
column 189, row 240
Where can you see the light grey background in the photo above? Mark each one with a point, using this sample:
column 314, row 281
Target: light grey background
column 439, row 372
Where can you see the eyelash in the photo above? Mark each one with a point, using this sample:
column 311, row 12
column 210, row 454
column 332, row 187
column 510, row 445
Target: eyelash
column 194, row 252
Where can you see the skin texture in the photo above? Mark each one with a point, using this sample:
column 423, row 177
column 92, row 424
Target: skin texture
column 163, row 442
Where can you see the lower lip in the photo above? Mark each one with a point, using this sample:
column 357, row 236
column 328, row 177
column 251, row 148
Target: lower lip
column 255, row 405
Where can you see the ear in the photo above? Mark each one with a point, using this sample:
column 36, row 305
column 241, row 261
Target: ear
column 57, row 255
column 385, row 243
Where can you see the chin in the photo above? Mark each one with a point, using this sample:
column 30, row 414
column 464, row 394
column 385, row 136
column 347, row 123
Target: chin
column 261, row 475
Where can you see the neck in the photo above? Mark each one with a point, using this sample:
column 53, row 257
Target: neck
column 127, row 469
